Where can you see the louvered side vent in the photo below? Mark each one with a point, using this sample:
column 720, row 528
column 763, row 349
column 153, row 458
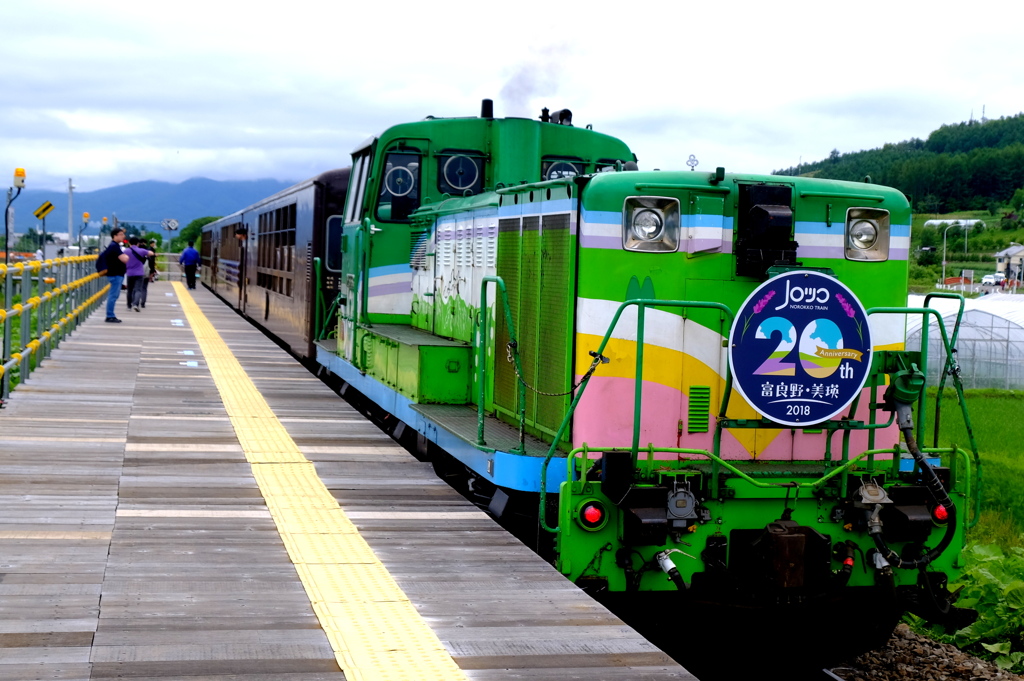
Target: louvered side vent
column 419, row 240
column 465, row 245
column 478, row 244
column 309, row 261
column 528, row 321
column 553, row 311
column 505, row 384
column 700, row 409
column 491, row 238
column 446, row 244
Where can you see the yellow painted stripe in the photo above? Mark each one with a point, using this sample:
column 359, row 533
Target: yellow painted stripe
column 376, row 633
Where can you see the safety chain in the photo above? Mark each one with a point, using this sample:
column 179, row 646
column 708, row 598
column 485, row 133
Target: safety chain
column 598, row 359
column 954, row 366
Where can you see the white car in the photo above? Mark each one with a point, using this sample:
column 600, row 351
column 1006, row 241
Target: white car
column 988, row 280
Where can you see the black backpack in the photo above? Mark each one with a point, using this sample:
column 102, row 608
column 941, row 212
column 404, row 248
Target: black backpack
column 101, row 262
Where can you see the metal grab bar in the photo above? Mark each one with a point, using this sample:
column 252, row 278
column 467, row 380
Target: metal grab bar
column 642, row 304
column 481, row 346
column 972, row 493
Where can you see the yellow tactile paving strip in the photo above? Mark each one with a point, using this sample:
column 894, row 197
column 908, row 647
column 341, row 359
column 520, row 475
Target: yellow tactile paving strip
column 375, row 631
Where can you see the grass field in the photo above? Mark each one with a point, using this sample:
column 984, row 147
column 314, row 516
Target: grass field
column 993, row 576
column 996, row 418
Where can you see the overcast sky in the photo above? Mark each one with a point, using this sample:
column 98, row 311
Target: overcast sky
column 109, row 92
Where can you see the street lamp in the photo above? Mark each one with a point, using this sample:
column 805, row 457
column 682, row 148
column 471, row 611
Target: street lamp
column 19, row 183
column 944, row 251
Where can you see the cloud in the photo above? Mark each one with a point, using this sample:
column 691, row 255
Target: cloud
column 118, row 91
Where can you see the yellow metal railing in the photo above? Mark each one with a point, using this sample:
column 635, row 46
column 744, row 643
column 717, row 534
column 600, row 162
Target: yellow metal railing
column 43, row 301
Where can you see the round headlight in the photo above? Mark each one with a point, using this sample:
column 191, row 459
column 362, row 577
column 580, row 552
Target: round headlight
column 647, row 225
column 863, row 234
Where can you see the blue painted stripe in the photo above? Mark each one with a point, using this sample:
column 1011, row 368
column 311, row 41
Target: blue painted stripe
column 839, row 229
column 538, row 208
column 511, row 470
column 384, row 270
column 602, row 217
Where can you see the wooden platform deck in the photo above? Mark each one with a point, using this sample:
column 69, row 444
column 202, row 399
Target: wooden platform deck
column 136, row 544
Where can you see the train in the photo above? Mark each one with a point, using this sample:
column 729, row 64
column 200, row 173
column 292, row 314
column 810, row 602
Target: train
column 689, row 390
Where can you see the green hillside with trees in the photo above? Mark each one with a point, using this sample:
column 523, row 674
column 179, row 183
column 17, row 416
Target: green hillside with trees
column 971, row 170
column 975, row 165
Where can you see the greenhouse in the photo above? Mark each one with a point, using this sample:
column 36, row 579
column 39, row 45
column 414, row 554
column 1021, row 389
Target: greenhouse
column 990, row 347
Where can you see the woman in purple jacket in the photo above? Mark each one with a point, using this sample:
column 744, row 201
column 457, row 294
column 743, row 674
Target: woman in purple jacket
column 137, row 259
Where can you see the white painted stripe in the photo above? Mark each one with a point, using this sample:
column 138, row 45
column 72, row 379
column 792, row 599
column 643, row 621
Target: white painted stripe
column 391, row 279
column 663, row 329
column 416, row 515
column 670, row 331
column 182, row 513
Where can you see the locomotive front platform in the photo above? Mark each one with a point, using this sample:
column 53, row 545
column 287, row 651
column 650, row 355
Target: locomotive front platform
column 182, row 499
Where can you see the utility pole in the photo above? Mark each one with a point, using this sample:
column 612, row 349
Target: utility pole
column 71, row 211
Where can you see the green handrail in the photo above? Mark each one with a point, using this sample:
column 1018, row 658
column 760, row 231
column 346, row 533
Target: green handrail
column 641, row 303
column 951, row 368
column 972, row 479
column 480, row 361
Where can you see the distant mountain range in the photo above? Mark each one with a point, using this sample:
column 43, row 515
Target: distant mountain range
column 141, row 202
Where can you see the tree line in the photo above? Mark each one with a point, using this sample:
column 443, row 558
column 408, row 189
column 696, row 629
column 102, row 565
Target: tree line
column 975, row 165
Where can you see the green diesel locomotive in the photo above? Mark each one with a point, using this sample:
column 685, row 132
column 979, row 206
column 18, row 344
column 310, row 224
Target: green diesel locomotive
column 695, row 384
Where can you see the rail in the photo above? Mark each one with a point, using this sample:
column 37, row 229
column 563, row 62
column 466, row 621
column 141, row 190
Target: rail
column 43, row 302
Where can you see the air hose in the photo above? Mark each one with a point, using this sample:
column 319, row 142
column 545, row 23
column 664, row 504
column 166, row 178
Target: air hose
column 905, row 388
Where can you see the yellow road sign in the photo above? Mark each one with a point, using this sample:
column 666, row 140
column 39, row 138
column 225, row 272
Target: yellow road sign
column 44, row 210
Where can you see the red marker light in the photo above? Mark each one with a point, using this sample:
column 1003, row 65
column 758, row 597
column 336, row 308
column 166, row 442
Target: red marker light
column 940, row 514
column 848, row 562
column 592, row 515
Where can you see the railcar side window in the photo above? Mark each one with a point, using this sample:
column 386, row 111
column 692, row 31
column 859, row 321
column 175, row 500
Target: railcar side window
column 460, row 173
column 275, row 258
column 400, row 187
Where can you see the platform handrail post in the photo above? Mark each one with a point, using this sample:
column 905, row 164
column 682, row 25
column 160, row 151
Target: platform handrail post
column 5, row 387
column 25, row 285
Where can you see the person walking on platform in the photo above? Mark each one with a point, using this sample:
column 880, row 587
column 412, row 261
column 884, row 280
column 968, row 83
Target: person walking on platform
column 151, row 271
column 138, row 258
column 189, row 260
column 114, row 262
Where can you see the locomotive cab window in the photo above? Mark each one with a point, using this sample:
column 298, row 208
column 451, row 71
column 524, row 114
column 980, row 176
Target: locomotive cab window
column 361, row 161
column 400, row 187
column 460, row 173
column 561, row 168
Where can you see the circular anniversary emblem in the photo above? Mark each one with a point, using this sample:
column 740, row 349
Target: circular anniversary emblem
column 800, row 348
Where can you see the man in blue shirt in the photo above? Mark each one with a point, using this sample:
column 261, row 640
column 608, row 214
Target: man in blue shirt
column 189, row 260
column 114, row 261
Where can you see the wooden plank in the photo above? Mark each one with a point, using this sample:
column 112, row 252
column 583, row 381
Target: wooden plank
column 138, row 545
